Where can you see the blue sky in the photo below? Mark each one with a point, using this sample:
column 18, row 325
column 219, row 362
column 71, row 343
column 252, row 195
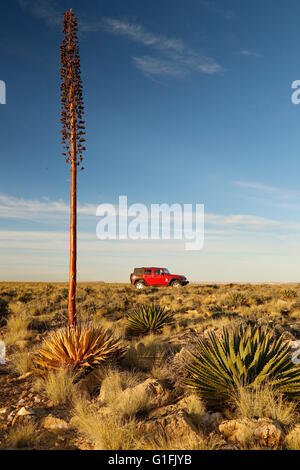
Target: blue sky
column 186, row 102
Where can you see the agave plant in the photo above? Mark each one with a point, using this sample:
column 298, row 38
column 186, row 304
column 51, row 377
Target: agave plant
column 81, row 348
column 245, row 356
column 148, row 318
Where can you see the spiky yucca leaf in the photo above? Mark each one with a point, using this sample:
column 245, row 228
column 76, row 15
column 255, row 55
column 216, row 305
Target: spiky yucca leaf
column 245, row 356
column 82, row 347
column 148, row 318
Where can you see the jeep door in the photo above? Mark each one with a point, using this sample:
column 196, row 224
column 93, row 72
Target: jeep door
column 148, row 276
column 160, row 278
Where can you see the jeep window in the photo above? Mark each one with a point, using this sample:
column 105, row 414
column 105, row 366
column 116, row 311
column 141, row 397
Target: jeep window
column 148, row 271
column 166, row 271
column 157, row 272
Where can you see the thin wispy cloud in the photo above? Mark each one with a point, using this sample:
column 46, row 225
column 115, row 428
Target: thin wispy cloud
column 138, row 33
column 248, row 53
column 28, row 209
column 168, row 57
column 283, row 193
column 173, row 57
column 44, row 10
column 40, row 210
column 218, row 10
column 281, row 198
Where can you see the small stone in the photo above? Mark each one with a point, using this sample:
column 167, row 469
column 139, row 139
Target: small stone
column 24, row 415
column 50, row 422
column 3, row 411
column 268, row 433
column 25, row 411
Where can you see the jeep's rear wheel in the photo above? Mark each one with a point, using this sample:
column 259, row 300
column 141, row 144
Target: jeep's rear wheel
column 176, row 284
column 140, row 285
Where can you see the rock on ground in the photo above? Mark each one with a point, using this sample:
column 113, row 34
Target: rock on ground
column 265, row 432
column 52, row 423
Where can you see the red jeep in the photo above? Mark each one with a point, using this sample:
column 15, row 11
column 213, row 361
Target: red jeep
column 142, row 277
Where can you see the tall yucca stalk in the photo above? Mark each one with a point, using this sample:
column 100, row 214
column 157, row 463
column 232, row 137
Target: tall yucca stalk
column 73, row 130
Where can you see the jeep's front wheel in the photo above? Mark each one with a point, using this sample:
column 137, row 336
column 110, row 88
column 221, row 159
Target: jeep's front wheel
column 140, row 285
column 176, row 284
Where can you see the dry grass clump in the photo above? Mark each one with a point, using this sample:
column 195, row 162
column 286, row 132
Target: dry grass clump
column 17, row 329
column 115, row 382
column 22, row 362
column 292, row 440
column 107, row 432
column 59, row 386
column 119, row 392
column 195, row 408
column 145, row 353
column 22, row 437
column 264, row 402
column 163, row 442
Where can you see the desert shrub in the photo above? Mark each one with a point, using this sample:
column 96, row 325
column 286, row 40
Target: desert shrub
column 82, row 348
column 264, row 402
column 243, row 356
column 3, row 311
column 237, row 299
column 288, row 294
column 107, row 432
column 148, row 318
column 23, row 436
column 25, row 297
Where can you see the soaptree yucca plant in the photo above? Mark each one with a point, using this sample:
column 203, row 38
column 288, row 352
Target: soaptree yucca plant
column 247, row 356
column 148, row 318
column 81, row 349
column 73, row 132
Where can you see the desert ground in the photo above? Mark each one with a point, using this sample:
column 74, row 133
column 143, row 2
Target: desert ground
column 140, row 401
